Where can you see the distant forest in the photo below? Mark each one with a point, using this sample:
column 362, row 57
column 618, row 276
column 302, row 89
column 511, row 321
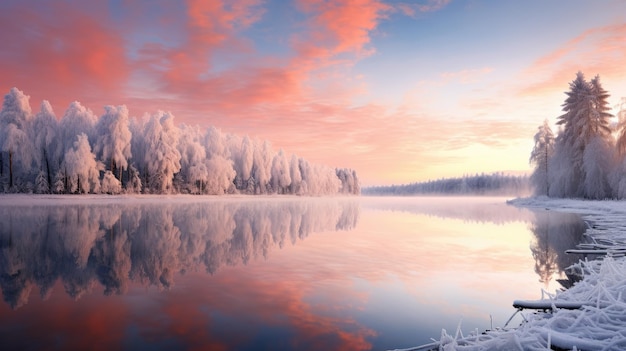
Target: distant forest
column 479, row 184
column 81, row 153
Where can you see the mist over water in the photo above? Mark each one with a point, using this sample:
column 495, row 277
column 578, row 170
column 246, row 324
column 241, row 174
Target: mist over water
column 268, row 273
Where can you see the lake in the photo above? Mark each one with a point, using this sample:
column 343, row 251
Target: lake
column 268, row 273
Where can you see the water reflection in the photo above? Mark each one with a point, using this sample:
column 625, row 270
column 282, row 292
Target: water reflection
column 471, row 209
column 84, row 246
column 410, row 267
column 554, row 233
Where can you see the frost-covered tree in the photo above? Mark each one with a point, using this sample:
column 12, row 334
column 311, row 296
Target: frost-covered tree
column 295, row 175
column 261, row 169
column 42, row 185
column 76, row 120
column 221, row 175
column 219, row 164
column 621, row 127
column 599, row 156
column 349, row 181
column 15, row 134
column 241, row 152
column 193, row 160
column 319, row 179
column 598, row 161
column 134, row 184
column 83, row 171
column 214, row 143
column 571, row 140
column 541, row 154
column 43, row 155
column 110, row 184
column 585, row 119
column 113, row 140
column 600, row 116
column 45, row 128
column 162, row 157
column 280, row 177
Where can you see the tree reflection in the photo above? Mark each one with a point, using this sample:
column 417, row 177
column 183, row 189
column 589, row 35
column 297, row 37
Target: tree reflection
column 112, row 245
column 554, row 233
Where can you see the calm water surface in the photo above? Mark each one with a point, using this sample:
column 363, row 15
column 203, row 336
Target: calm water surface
column 268, row 273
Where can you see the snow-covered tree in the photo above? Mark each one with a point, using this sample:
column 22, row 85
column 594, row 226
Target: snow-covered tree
column 76, row 120
column 600, row 116
column 214, row 143
column 280, row 177
column 261, row 169
column 619, row 176
column 45, row 128
column 42, row 185
column 134, row 184
column 193, row 159
column 571, row 140
column 349, row 181
column 162, row 157
column 113, row 141
column 110, row 184
column 598, row 161
column 540, row 156
column 15, row 133
column 585, row 119
column 43, row 155
column 221, row 175
column 295, row 175
column 83, row 171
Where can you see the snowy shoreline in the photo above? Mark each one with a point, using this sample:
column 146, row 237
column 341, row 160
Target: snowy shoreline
column 600, row 324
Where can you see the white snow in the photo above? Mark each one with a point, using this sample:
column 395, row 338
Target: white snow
column 600, row 324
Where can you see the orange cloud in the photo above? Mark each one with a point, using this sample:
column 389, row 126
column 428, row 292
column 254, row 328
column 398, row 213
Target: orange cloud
column 339, row 27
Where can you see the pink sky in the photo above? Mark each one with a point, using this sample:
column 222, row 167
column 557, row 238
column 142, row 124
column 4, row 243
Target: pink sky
column 401, row 91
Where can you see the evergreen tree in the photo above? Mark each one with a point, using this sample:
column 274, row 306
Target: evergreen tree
column 540, row 156
column 570, row 143
column 585, row 121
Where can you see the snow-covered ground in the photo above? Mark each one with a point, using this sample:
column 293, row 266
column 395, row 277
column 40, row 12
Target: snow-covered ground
column 600, row 324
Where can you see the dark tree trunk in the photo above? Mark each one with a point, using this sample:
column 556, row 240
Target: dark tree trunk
column 67, row 190
column 10, row 169
column 45, row 156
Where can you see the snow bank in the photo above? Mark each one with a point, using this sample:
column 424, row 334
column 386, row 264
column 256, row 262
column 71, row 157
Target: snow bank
column 600, row 324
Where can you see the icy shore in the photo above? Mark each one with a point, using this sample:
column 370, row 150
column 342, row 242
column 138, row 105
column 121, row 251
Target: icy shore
column 601, row 322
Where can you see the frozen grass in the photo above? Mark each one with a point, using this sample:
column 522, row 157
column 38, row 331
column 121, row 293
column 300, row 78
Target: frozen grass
column 600, row 324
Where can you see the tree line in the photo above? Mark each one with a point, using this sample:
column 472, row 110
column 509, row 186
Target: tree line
column 587, row 157
column 81, row 153
column 478, row 184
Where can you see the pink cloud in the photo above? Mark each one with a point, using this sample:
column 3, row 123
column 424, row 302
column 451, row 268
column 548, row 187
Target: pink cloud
column 598, row 50
column 411, row 9
column 337, row 27
column 196, row 61
column 60, row 51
